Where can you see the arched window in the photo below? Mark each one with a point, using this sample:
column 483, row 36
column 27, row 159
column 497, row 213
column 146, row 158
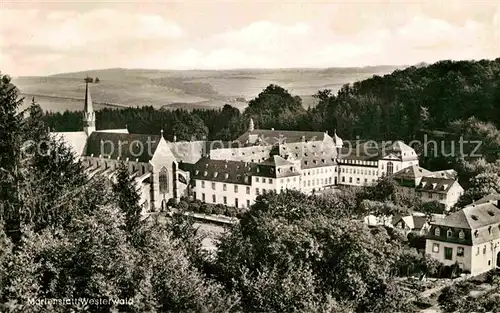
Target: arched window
column 390, row 168
column 163, row 180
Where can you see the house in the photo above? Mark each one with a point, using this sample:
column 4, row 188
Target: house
column 414, row 223
column 444, row 190
column 469, row 237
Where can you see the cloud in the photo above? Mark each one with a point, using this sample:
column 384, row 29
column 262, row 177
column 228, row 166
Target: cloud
column 38, row 42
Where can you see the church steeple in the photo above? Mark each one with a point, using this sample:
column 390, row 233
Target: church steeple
column 251, row 126
column 88, row 112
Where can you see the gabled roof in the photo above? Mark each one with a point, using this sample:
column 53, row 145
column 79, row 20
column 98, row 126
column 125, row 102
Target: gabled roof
column 75, row 140
column 435, row 184
column 278, row 136
column 114, row 145
column 412, row 172
column 233, row 172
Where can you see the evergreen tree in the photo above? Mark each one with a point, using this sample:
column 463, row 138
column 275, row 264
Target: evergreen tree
column 10, row 157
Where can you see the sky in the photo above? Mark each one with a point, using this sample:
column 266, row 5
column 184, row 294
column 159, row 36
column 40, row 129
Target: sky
column 48, row 37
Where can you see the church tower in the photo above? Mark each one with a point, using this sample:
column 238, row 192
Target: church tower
column 251, row 126
column 88, row 113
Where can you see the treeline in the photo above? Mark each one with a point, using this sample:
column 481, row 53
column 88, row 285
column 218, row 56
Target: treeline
column 397, row 105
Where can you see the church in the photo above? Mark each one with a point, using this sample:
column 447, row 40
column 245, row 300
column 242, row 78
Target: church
column 231, row 173
column 152, row 162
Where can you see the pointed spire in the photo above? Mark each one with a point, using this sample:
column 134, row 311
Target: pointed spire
column 88, row 99
column 251, row 126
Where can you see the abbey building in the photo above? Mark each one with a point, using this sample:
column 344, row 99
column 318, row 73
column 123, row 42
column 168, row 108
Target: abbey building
column 232, row 173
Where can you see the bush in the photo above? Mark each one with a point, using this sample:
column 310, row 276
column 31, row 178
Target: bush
column 206, row 208
column 195, row 207
column 230, row 211
column 219, row 209
column 182, row 206
column 172, row 202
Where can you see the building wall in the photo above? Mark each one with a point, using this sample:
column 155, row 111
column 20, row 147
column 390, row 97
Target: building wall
column 465, row 260
column 205, row 190
column 162, row 158
column 357, row 175
column 484, row 256
column 317, row 178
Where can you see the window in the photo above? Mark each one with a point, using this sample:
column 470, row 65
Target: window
column 343, row 179
column 214, row 199
column 366, row 180
column 461, row 235
column 202, row 184
column 489, row 230
column 270, row 180
column 357, row 180
column 224, row 187
column 437, row 232
column 448, row 253
column 477, row 253
column 263, row 180
column 350, row 180
column 435, row 248
column 248, row 190
column 248, row 203
column 329, row 180
column 460, row 251
column 257, row 191
column 163, row 180
column 441, row 197
column 256, row 179
column 213, row 186
column 225, row 199
column 203, row 197
column 235, row 188
column 390, row 169
column 484, row 250
column 236, row 202
column 449, row 233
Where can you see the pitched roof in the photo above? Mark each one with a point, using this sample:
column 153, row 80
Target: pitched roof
column 233, row 172
column 489, row 198
column 114, row 145
column 412, row 172
column 414, row 222
column 187, row 151
column 435, row 184
column 451, row 174
column 402, row 150
column 472, row 217
column 75, row 140
column 118, row 130
column 278, row 136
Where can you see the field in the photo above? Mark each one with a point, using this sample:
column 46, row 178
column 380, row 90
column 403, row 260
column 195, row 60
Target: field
column 183, row 89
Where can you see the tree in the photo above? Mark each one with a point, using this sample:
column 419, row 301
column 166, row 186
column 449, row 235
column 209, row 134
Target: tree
column 128, row 199
column 89, row 80
column 97, row 80
column 10, row 157
column 481, row 185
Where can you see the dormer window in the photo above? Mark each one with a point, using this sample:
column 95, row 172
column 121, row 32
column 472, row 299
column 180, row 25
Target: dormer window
column 474, row 217
column 226, row 175
column 449, row 233
column 476, row 234
column 491, row 213
column 444, row 187
column 461, row 235
column 197, row 172
column 489, row 230
column 437, row 231
column 216, row 174
column 434, row 185
column 205, row 173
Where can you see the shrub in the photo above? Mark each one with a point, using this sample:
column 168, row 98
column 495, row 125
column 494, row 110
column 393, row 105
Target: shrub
column 183, row 205
column 171, row 202
column 219, row 209
column 206, row 208
column 195, row 207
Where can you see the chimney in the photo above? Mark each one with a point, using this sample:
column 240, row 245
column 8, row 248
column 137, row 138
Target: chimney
column 175, row 138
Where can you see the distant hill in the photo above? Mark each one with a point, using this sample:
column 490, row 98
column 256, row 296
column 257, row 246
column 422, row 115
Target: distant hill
column 120, row 87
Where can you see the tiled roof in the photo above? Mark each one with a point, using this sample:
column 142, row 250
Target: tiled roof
column 489, row 198
column 434, row 184
column 414, row 222
column 133, row 146
column 479, row 222
column 278, row 136
column 234, row 172
column 119, row 130
column 75, row 140
column 451, row 174
column 314, row 161
column 187, row 151
column 412, row 172
column 362, row 152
